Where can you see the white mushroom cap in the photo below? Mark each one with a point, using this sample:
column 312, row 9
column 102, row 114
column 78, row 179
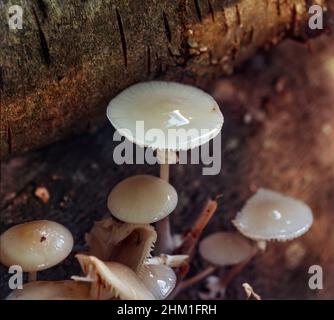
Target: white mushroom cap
column 165, row 105
column 158, row 279
column 142, row 199
column 35, row 245
column 112, row 280
column 226, row 248
column 269, row 215
column 51, row 290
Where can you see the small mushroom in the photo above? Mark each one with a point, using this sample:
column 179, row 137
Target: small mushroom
column 226, row 248
column 269, row 215
column 51, row 290
column 159, row 279
column 126, row 243
column 164, row 107
column 142, row 199
column 111, row 280
column 221, row 249
column 35, row 245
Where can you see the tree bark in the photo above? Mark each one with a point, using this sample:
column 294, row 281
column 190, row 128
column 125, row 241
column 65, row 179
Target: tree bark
column 71, row 57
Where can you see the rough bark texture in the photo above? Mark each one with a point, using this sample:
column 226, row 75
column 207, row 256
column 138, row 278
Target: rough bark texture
column 71, row 57
column 278, row 133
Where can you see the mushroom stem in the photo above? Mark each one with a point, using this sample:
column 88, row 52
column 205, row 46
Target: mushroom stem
column 198, row 277
column 164, row 171
column 32, row 276
column 165, row 243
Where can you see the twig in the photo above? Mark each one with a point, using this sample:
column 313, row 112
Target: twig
column 233, row 272
column 250, row 293
column 223, row 282
column 190, row 241
column 197, row 278
column 192, row 237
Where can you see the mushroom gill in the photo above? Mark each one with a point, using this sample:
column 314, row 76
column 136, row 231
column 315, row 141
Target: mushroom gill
column 111, row 280
column 128, row 244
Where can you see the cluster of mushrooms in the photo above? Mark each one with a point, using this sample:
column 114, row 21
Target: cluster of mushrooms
column 119, row 263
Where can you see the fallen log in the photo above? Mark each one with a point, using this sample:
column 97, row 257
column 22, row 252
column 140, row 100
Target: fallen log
column 70, row 58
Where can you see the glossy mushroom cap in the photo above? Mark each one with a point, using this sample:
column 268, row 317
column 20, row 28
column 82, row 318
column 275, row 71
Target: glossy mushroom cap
column 35, row 245
column 226, row 248
column 51, row 290
column 142, row 199
column 111, row 280
column 165, row 105
column 158, row 279
column 269, row 215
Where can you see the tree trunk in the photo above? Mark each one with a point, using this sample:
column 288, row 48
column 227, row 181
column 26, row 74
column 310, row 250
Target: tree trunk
column 71, row 57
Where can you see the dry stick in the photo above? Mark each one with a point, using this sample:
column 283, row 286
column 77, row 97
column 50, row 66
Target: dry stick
column 190, row 241
column 197, row 278
column 234, row 271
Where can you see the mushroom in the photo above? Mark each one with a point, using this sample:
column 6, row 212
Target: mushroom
column 142, row 199
column 269, row 215
column 226, row 248
column 129, row 244
column 222, row 249
column 159, row 279
column 35, row 246
column 164, row 108
column 51, row 290
column 111, row 280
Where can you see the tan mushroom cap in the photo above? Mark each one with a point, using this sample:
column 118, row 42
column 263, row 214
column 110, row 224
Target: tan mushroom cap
column 165, row 105
column 35, row 245
column 226, row 248
column 111, row 280
column 158, row 279
column 51, row 290
column 142, row 199
column 269, row 215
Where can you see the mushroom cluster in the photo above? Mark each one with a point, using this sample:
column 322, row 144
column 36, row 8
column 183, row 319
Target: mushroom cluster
column 119, row 264
column 163, row 108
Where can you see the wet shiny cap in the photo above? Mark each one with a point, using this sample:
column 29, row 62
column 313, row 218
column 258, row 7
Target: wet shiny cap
column 35, row 245
column 269, row 215
column 161, row 108
column 226, row 248
column 142, row 199
column 51, row 290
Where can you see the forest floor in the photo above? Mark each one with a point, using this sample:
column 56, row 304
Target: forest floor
column 278, row 133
